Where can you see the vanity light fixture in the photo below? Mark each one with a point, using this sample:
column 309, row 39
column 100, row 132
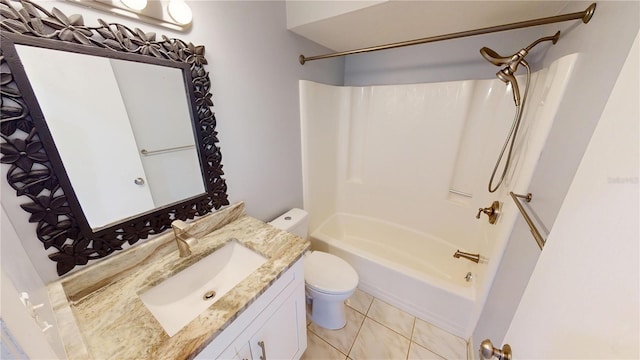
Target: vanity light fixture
column 171, row 14
column 180, row 11
column 135, row 4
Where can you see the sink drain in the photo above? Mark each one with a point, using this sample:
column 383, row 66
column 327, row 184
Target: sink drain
column 209, row 295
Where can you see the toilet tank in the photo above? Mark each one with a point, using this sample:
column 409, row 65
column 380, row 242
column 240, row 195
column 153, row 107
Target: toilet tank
column 295, row 221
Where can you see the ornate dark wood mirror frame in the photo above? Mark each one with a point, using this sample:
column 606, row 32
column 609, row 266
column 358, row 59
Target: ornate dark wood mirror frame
column 36, row 170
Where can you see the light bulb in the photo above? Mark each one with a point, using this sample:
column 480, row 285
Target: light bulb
column 135, row 4
column 180, row 11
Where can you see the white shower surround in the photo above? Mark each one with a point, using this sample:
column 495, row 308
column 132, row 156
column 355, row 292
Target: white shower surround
column 378, row 163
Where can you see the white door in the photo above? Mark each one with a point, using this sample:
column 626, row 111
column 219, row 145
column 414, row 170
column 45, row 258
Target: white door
column 583, row 297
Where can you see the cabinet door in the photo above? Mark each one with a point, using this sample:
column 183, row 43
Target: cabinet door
column 239, row 351
column 284, row 335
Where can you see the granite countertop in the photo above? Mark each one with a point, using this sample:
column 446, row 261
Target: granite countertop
column 100, row 315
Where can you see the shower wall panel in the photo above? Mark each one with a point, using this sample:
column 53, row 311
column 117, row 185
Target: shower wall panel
column 393, row 152
column 406, row 140
column 328, row 106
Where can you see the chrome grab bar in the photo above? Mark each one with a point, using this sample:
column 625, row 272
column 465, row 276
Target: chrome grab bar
column 151, row 152
column 534, row 230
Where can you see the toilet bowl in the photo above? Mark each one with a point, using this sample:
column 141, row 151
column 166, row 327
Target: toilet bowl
column 329, row 280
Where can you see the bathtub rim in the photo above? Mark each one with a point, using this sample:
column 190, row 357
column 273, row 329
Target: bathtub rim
column 468, row 292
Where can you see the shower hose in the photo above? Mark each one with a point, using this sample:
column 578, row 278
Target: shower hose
column 511, row 137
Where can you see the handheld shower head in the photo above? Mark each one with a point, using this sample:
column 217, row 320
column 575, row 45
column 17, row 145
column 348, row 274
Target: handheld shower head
column 511, row 63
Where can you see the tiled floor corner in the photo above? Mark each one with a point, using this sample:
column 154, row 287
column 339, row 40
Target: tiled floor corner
column 377, row 330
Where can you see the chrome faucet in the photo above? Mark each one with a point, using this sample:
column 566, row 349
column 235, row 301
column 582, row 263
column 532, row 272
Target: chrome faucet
column 183, row 238
column 472, row 257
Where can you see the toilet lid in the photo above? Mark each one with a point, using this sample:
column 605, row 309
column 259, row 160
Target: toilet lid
column 328, row 273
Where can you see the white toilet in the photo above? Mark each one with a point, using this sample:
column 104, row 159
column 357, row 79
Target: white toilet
column 329, row 280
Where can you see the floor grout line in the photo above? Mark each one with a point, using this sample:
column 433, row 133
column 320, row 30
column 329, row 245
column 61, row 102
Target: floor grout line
column 413, row 327
column 366, row 316
column 321, row 338
column 361, row 324
column 357, row 333
column 378, row 322
column 369, row 307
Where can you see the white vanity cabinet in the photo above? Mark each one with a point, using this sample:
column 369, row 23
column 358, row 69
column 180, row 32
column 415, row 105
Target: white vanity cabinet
column 272, row 327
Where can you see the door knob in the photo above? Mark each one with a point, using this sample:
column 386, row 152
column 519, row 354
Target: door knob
column 487, row 351
column 138, row 181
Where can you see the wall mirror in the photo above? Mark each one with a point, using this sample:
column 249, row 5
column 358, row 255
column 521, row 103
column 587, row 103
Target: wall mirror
column 111, row 138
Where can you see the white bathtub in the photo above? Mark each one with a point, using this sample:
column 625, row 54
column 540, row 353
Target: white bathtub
column 413, row 271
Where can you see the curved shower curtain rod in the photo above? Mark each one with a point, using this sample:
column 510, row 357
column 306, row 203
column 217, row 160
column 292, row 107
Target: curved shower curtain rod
column 584, row 15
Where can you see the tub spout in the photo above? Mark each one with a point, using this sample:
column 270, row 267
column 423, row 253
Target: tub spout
column 471, row 257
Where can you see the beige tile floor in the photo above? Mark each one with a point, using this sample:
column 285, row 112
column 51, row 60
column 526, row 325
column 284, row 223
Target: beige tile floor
column 377, row 330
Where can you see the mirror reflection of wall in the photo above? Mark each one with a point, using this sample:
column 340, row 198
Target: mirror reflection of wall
column 102, row 114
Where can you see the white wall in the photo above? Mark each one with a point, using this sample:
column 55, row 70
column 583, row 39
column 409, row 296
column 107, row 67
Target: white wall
column 304, row 12
column 255, row 73
column 18, row 276
column 25, row 339
column 583, row 296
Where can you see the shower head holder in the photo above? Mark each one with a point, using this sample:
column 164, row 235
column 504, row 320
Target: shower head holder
column 506, row 75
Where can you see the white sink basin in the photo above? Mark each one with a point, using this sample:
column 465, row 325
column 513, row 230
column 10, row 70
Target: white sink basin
column 181, row 298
